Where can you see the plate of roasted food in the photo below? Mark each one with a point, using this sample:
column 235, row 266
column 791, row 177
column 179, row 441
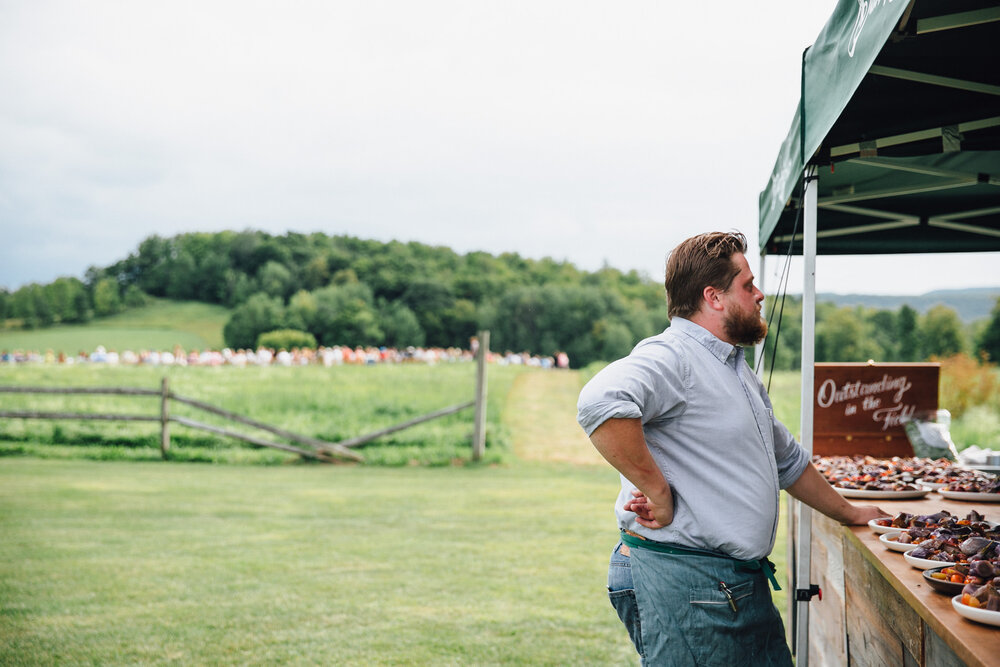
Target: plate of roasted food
column 952, row 579
column 950, row 475
column 883, row 479
column 985, row 488
column 945, row 546
column 897, row 491
column 904, row 520
column 980, row 603
column 919, row 528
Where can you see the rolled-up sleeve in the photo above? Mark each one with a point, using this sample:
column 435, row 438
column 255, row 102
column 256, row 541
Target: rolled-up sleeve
column 642, row 386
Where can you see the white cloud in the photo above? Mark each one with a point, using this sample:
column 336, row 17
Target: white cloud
column 592, row 132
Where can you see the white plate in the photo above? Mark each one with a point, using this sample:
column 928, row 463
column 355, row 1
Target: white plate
column 923, row 563
column 933, row 486
column 882, row 495
column 975, row 614
column 888, row 541
column 983, row 467
column 882, row 530
column 966, row 495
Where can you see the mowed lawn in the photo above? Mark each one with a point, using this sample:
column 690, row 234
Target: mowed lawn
column 179, row 563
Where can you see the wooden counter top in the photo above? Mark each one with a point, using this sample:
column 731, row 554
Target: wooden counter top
column 974, row 643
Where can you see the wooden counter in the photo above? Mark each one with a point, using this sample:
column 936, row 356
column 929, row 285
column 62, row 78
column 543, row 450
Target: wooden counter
column 878, row 610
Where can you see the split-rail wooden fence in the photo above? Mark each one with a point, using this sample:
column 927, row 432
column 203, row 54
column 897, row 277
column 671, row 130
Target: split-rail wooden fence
column 314, row 448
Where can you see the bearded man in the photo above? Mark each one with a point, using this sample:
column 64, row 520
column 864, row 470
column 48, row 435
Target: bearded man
column 702, row 459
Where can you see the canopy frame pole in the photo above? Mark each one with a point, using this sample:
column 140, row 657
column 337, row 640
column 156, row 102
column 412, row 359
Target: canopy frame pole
column 971, row 229
column 934, row 80
column 759, row 348
column 917, row 135
column 803, row 522
column 958, row 20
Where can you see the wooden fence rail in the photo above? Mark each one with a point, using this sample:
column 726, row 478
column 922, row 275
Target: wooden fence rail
column 328, row 449
column 320, row 449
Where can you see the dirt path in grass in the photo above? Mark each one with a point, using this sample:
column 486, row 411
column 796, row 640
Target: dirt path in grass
column 541, row 415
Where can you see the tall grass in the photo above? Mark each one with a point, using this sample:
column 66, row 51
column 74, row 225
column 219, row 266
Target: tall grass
column 331, row 404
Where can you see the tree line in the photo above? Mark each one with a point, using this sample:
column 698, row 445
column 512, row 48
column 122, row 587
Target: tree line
column 343, row 290
column 859, row 334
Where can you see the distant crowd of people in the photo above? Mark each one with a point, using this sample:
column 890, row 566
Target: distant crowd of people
column 326, row 356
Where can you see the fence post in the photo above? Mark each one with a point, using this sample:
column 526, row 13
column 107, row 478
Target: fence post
column 479, row 434
column 164, row 418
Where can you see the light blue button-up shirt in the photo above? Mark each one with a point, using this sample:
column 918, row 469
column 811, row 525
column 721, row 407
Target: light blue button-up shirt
column 711, row 429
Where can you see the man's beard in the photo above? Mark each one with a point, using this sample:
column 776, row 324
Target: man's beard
column 744, row 328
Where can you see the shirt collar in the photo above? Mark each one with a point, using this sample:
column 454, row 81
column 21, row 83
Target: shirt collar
column 720, row 349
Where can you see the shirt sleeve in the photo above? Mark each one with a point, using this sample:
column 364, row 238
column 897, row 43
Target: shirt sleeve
column 649, row 384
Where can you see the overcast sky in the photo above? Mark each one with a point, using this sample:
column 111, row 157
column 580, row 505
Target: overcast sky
column 589, row 132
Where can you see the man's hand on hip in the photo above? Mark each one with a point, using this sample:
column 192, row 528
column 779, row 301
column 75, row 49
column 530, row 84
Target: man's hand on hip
column 648, row 513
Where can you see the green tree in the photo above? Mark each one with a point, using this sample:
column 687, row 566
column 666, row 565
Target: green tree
column 154, row 265
column 213, row 269
column 908, row 334
column 286, row 339
column 107, row 299
column 844, row 335
column 612, row 339
column 31, row 305
column 68, row 300
column 316, row 273
column 400, row 325
column 183, row 281
column 276, row 280
column 588, row 322
column 135, row 297
column 430, row 301
column 239, row 286
column 988, row 343
column 260, row 313
column 345, row 315
column 783, row 345
column 301, row 311
column 941, row 333
column 244, row 251
column 883, row 329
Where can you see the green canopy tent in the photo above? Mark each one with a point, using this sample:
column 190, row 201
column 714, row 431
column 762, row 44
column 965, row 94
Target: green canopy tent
column 894, row 148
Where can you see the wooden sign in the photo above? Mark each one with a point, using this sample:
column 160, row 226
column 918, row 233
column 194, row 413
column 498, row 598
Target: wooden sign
column 861, row 408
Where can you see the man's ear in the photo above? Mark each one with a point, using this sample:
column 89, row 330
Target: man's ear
column 713, row 298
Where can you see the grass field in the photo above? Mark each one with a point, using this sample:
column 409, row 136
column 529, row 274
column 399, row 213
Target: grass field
column 125, row 562
column 158, row 326
column 146, row 563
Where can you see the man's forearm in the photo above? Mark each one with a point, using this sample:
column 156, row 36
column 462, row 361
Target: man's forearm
column 622, row 443
column 813, row 489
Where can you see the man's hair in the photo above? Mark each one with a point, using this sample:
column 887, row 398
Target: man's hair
column 701, row 261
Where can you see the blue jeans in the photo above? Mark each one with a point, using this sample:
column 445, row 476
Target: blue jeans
column 700, row 610
column 622, row 595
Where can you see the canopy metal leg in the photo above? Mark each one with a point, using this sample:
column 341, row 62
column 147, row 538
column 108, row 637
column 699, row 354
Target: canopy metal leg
column 758, row 351
column 804, row 513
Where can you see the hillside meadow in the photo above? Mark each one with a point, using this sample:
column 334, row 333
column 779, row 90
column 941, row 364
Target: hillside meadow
column 159, row 325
